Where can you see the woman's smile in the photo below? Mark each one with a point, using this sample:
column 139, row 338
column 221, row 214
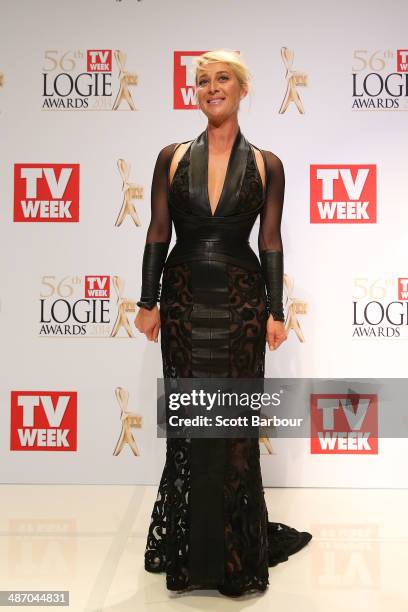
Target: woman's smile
column 216, row 100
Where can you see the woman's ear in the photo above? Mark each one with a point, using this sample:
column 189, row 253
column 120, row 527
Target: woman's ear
column 244, row 91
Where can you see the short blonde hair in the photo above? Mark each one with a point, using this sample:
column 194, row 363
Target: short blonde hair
column 232, row 58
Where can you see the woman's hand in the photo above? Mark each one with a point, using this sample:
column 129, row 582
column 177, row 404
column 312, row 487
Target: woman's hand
column 148, row 322
column 275, row 333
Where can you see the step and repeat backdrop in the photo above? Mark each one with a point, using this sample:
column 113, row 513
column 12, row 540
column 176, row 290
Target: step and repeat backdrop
column 90, row 92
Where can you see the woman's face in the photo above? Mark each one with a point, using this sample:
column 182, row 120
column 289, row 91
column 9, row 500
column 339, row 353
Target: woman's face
column 218, row 91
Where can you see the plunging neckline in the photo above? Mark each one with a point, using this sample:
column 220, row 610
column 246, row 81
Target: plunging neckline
column 186, row 158
column 199, row 200
column 207, row 158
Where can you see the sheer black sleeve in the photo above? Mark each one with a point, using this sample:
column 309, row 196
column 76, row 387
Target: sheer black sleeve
column 159, row 231
column 269, row 239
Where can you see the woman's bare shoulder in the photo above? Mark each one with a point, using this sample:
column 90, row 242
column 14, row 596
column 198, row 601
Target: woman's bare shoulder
column 179, row 150
column 267, row 162
column 260, row 162
column 268, row 156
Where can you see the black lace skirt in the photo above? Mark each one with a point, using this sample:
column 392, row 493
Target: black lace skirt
column 209, row 526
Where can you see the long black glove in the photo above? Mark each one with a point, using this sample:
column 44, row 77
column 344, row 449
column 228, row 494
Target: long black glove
column 154, row 257
column 272, row 269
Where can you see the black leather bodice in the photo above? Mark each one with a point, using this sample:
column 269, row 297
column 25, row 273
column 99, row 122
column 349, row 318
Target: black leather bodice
column 224, row 235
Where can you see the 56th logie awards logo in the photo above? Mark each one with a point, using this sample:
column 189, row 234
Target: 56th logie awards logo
column 87, row 80
column 82, row 306
column 380, row 80
column 380, row 308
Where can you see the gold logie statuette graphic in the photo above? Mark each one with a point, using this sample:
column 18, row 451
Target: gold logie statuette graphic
column 294, row 307
column 267, row 444
column 1, row 79
column 293, row 79
column 129, row 420
column 125, row 79
column 130, row 192
column 125, row 305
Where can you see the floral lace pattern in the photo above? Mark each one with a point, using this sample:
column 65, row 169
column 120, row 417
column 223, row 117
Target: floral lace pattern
column 252, row 543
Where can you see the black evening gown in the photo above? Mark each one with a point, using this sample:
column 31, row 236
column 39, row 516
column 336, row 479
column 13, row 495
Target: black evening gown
column 209, row 526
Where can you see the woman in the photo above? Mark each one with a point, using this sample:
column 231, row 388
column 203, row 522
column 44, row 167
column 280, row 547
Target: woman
column 219, row 303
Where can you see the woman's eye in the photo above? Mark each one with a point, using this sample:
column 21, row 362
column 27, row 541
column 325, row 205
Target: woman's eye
column 202, row 82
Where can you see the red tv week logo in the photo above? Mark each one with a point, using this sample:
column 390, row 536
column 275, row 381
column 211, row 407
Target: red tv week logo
column 99, row 60
column 342, row 193
column 97, row 286
column 402, row 60
column 184, row 85
column 403, row 288
column 46, row 192
column 345, row 423
column 43, row 420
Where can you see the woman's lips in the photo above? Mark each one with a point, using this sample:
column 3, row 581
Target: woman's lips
column 216, row 101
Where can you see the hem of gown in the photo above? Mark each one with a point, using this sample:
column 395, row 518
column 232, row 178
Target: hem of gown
column 283, row 541
column 223, row 588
